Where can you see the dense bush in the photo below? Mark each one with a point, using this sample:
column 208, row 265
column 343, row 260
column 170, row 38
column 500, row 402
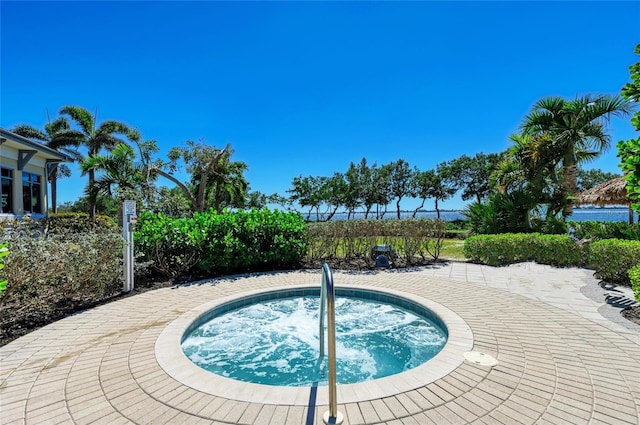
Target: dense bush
column 507, row 248
column 4, row 251
column 596, row 230
column 56, row 224
column 43, row 273
column 78, row 223
column 249, row 240
column 171, row 245
column 634, row 277
column 549, row 225
column 354, row 239
column 214, row 242
column 500, row 213
column 613, row 258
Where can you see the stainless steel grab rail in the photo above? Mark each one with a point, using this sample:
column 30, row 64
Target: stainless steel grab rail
column 327, row 292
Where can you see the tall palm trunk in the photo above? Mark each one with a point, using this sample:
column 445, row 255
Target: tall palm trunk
column 53, row 178
column 92, row 199
column 569, row 182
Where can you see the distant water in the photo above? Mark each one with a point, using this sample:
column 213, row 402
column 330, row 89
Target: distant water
column 581, row 214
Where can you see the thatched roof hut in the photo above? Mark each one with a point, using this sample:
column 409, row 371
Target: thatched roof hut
column 612, row 192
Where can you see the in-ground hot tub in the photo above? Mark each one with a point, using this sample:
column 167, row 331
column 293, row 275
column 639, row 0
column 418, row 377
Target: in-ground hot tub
column 172, row 359
column 273, row 338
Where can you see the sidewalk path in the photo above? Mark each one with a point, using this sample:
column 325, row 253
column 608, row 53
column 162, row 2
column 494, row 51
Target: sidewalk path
column 561, row 357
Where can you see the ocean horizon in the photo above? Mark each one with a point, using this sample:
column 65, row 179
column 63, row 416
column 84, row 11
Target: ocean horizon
column 579, row 214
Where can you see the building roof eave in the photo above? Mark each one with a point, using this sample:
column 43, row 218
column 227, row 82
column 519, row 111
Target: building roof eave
column 49, row 153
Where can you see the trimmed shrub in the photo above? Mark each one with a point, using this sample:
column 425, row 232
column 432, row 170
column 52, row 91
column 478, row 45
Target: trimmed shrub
column 613, row 258
column 508, row 248
column 64, row 223
column 56, row 224
column 42, row 273
column 171, row 245
column 221, row 242
column 4, row 251
column 255, row 239
column 634, row 277
column 596, row 230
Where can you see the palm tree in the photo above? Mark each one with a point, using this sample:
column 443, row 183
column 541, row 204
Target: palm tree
column 530, row 169
column 225, row 185
column 118, row 175
column 56, row 135
column 97, row 137
column 579, row 131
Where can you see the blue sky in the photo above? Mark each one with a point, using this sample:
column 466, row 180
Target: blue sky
column 305, row 88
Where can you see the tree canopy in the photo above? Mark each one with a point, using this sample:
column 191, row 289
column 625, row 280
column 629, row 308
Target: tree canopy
column 629, row 151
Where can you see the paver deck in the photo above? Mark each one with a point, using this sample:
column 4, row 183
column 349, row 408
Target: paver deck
column 561, row 359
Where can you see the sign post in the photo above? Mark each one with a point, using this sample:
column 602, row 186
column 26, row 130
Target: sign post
column 128, row 219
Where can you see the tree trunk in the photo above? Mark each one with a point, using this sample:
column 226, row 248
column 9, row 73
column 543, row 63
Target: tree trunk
column 92, row 201
column 53, row 178
column 437, row 210
column 398, row 207
column 204, row 177
column 185, row 190
column 332, row 213
column 121, row 222
column 384, row 212
column 415, row 212
column 569, row 184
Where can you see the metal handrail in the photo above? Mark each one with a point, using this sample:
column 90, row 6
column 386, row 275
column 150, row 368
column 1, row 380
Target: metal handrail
column 323, row 307
column 327, row 292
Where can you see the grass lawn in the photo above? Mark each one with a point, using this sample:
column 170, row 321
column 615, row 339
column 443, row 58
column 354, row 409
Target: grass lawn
column 452, row 250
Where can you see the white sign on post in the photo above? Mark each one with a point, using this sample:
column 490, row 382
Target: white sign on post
column 129, row 208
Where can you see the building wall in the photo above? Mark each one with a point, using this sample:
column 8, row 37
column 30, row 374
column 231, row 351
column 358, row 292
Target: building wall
column 37, row 166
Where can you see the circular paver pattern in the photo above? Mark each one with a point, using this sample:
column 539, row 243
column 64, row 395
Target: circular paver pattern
column 100, row 366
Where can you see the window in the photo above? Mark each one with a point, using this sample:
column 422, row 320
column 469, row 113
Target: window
column 31, row 193
column 6, row 190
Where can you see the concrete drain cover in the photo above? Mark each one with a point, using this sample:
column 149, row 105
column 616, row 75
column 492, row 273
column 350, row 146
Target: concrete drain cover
column 482, row 359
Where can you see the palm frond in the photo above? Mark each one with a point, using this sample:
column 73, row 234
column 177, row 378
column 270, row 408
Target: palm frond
column 66, row 138
column 586, row 156
column 82, row 117
column 552, row 104
column 110, row 127
column 29, row 132
column 58, row 125
column 104, row 141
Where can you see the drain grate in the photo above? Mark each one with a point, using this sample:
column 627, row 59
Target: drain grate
column 481, row 359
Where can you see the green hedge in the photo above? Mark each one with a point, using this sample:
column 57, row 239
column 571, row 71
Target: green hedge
column 71, row 222
column 225, row 242
column 45, row 271
column 613, row 258
column 596, row 230
column 634, row 276
column 507, row 248
column 56, row 224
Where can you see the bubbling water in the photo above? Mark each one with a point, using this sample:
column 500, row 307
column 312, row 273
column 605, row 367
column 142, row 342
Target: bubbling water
column 276, row 342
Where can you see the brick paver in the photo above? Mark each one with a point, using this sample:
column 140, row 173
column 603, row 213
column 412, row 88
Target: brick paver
column 560, row 361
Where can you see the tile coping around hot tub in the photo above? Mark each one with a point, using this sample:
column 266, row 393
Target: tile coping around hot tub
column 175, row 363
